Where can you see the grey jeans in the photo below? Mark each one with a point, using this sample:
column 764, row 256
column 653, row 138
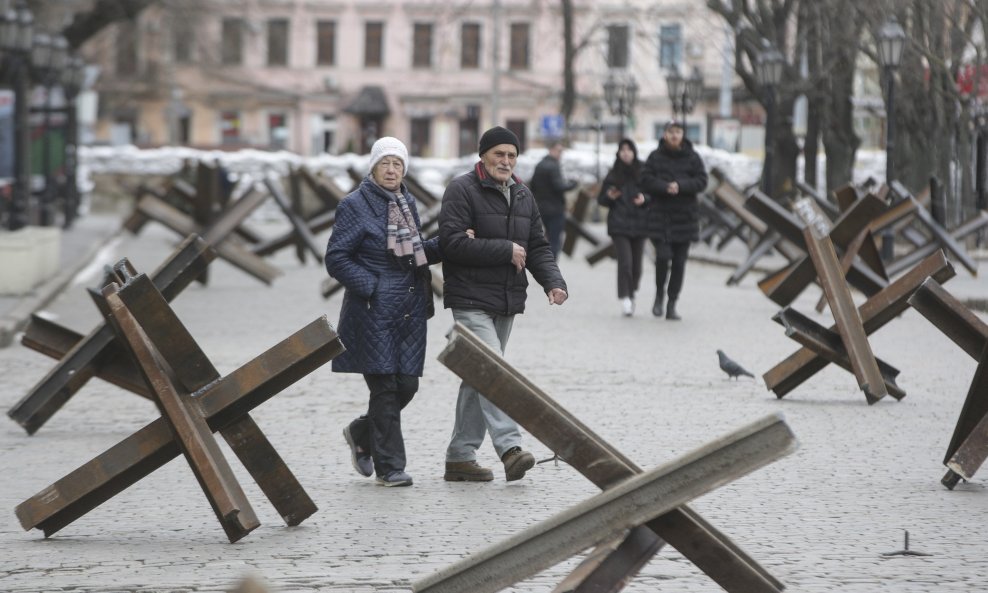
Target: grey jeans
column 476, row 416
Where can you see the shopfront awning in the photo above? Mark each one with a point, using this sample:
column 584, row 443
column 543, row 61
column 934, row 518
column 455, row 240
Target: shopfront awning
column 370, row 101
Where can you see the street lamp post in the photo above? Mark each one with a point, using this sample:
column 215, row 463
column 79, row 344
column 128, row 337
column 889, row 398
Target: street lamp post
column 684, row 92
column 16, row 37
column 769, row 72
column 891, row 39
column 620, row 96
column 71, row 83
column 48, row 57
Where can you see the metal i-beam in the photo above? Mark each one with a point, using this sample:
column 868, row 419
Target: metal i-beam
column 699, row 541
column 84, row 359
column 623, row 506
column 846, row 317
column 222, row 403
column 879, row 309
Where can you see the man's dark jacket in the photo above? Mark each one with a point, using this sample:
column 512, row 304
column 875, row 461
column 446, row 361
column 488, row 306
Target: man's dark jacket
column 673, row 218
column 549, row 187
column 477, row 272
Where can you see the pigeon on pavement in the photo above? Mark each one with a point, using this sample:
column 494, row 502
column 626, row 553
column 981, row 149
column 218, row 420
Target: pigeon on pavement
column 730, row 367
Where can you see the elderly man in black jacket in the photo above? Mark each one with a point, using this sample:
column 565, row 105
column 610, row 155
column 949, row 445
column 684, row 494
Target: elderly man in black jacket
column 490, row 232
column 672, row 177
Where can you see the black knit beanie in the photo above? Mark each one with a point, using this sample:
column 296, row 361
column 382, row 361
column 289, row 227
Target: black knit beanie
column 498, row 135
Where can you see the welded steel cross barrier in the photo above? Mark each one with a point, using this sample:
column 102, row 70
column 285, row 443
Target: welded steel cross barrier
column 968, row 446
column 763, row 238
column 942, row 238
column 786, row 284
column 194, row 401
column 878, row 310
column 304, row 237
column 575, row 227
column 850, row 328
column 609, row 515
column 218, row 234
column 99, row 352
column 323, row 219
column 684, row 529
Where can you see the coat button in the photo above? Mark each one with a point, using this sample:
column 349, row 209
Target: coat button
column 407, row 316
column 411, row 289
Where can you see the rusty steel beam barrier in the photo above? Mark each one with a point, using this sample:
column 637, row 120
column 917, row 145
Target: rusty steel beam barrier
column 198, row 397
column 878, row 310
column 230, row 251
column 786, row 284
column 827, row 343
column 85, row 357
column 968, row 447
column 574, row 226
column 846, row 316
column 302, row 232
column 616, row 510
column 695, row 538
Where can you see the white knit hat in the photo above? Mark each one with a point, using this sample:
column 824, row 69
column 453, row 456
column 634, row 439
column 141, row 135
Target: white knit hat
column 388, row 146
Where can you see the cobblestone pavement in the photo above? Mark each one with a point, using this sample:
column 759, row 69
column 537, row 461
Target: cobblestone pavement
column 819, row 520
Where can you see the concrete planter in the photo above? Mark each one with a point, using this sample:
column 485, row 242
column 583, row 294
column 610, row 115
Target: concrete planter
column 28, row 257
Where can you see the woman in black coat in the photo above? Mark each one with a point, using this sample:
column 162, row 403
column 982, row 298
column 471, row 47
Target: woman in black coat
column 378, row 255
column 620, row 194
column 672, row 177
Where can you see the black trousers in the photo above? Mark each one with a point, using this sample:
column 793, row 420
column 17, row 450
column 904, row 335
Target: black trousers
column 670, row 263
column 380, row 430
column 629, row 264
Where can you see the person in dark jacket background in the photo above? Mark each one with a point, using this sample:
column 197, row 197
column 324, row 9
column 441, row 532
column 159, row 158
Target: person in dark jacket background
column 672, row 177
column 490, row 232
column 378, row 255
column 620, row 194
column 550, row 189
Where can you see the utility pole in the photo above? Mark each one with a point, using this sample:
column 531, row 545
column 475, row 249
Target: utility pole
column 496, row 66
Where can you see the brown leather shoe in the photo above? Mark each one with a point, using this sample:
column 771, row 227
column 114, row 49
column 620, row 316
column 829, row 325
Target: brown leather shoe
column 516, row 463
column 467, row 471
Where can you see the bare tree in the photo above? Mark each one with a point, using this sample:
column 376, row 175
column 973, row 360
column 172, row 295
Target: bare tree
column 756, row 23
column 103, row 13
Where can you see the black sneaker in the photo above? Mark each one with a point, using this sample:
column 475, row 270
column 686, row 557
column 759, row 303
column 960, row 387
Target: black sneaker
column 516, row 463
column 360, row 459
column 395, row 479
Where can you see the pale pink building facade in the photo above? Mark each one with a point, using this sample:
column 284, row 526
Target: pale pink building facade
column 333, row 75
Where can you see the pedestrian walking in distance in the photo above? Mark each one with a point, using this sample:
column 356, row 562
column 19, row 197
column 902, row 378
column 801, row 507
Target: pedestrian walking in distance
column 490, row 232
column 549, row 188
column 378, row 255
column 621, row 195
column 672, row 177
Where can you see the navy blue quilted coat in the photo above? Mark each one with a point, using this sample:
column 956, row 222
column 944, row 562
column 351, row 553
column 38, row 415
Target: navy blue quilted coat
column 385, row 307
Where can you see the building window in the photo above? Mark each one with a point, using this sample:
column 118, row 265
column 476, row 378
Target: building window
column 278, row 131
column 670, row 46
column 617, row 46
column 470, row 45
column 519, row 46
column 183, row 38
column 232, row 45
column 278, row 42
column 421, row 136
column 373, row 44
column 518, row 126
column 422, row 45
column 229, row 127
column 470, row 130
column 127, row 49
column 326, row 43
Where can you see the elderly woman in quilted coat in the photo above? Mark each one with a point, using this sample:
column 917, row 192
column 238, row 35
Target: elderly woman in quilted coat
column 378, row 255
